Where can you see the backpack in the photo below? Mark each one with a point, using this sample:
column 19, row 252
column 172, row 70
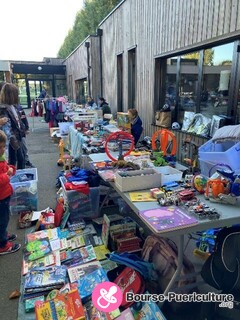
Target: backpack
column 130, row 280
column 163, row 253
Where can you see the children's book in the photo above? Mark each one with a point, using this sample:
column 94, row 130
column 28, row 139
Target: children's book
column 65, row 256
column 89, row 229
column 88, row 282
column 108, row 265
column 45, row 278
column 141, row 196
column 126, row 315
column 37, row 249
column 165, row 219
column 55, row 244
column 64, row 306
column 81, row 224
column 42, row 262
column 77, row 272
column 77, row 241
column 147, row 311
column 108, row 221
column 92, row 313
column 101, row 252
column 82, row 255
column 93, row 239
column 65, row 218
column 30, row 303
column 51, row 234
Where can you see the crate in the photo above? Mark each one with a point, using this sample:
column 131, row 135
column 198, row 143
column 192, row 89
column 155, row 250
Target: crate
column 25, row 193
column 81, row 205
column 227, row 152
column 169, row 174
column 137, row 180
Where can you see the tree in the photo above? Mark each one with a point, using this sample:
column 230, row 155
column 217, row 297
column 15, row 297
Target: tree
column 208, row 56
column 86, row 22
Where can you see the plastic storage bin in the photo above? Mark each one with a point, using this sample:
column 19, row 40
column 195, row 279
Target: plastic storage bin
column 169, row 174
column 137, row 180
column 25, row 193
column 81, row 205
column 209, row 168
column 227, row 152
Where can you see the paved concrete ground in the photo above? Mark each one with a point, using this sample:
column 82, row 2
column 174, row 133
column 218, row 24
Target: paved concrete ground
column 43, row 154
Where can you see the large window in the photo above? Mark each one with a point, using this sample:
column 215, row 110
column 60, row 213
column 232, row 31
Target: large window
column 199, row 81
column 217, row 65
column 81, row 90
column 188, row 83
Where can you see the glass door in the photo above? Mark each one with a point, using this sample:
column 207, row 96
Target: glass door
column 34, row 88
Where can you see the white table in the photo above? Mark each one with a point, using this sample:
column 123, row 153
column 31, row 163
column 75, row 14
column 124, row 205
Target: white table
column 229, row 215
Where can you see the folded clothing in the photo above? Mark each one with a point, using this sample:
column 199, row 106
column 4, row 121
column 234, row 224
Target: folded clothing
column 80, row 187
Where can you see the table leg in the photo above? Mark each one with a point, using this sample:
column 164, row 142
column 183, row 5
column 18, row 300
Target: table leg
column 179, row 266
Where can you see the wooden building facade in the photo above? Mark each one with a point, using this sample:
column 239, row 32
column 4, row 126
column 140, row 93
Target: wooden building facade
column 83, row 70
column 151, row 52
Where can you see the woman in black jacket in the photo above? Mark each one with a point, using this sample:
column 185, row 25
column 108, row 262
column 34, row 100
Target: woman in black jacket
column 14, row 128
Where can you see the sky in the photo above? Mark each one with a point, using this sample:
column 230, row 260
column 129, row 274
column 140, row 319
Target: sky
column 33, row 29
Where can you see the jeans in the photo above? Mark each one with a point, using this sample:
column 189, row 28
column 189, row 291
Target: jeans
column 25, row 149
column 4, row 219
column 16, row 157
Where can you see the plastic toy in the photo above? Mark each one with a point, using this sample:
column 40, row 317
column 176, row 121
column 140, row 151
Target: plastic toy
column 215, row 187
column 200, row 183
column 119, row 138
column 163, row 140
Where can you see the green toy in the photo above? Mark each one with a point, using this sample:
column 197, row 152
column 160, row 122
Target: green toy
column 159, row 159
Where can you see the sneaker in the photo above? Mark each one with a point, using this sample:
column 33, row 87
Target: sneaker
column 11, row 237
column 10, row 248
column 29, row 164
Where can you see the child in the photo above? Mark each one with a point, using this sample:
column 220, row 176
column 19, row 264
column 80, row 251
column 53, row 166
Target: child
column 6, row 190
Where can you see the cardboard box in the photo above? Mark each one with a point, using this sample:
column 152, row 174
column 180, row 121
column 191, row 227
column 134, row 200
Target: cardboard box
column 137, row 180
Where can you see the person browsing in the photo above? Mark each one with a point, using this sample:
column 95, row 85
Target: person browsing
column 136, row 125
column 104, row 106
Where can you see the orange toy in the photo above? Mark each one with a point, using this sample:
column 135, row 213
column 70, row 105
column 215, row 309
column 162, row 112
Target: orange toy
column 165, row 138
column 215, row 187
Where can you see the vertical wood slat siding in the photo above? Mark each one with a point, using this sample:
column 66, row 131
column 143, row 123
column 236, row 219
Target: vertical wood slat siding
column 187, row 10
column 234, row 10
column 200, row 15
column 210, row 18
column 180, row 30
column 221, row 14
column 215, row 18
column 154, row 27
column 196, row 21
column 227, row 16
column 238, row 17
